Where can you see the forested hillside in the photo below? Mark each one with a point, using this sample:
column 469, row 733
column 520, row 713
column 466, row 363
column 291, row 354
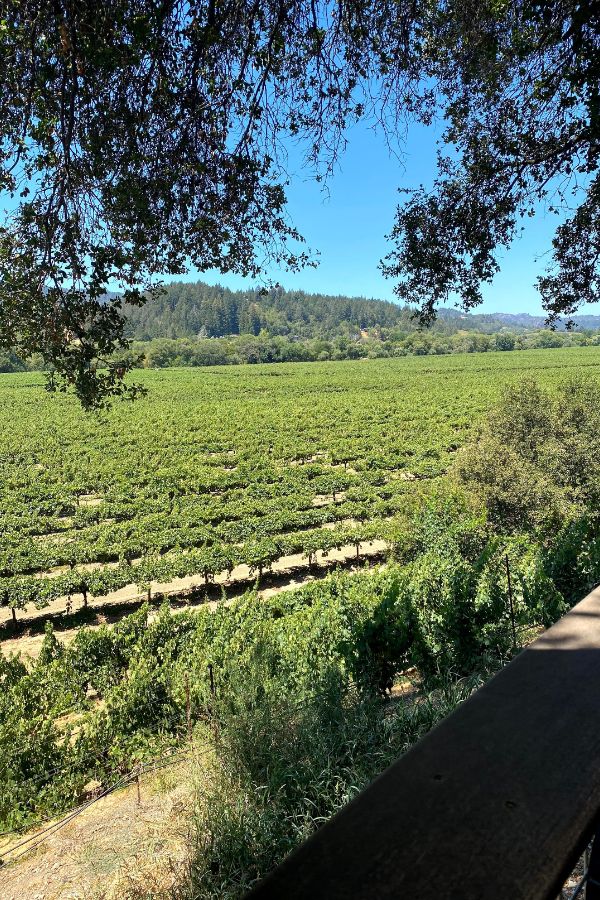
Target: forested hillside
column 200, row 309
column 205, row 325
column 186, row 310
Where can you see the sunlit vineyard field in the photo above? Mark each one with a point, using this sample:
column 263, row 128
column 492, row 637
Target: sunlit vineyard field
column 225, row 467
column 222, row 478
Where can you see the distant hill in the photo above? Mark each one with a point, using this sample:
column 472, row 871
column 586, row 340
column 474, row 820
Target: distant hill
column 186, row 310
column 490, row 322
column 524, row 320
column 199, row 309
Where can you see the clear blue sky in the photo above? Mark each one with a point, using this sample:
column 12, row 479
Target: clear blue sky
column 348, row 227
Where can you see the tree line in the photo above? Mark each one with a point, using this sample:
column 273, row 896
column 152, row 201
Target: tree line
column 248, row 349
column 264, row 348
column 197, row 324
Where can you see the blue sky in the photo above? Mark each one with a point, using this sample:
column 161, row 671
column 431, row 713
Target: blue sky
column 349, row 225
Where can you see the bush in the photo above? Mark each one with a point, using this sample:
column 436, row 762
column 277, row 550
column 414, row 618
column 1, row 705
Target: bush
column 535, row 461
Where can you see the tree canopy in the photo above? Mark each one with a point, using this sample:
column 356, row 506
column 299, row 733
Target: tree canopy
column 140, row 138
column 518, row 84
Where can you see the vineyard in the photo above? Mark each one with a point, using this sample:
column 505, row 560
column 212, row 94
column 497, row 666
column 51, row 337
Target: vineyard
column 219, row 476
column 218, row 470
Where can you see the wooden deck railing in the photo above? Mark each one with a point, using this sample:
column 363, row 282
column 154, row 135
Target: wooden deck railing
column 495, row 803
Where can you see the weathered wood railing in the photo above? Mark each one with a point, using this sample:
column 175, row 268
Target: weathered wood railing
column 495, row 803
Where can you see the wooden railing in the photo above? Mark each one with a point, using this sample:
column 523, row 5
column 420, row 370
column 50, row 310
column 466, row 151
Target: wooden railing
column 496, row 803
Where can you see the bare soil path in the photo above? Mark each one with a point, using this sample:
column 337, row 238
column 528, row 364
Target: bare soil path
column 116, row 848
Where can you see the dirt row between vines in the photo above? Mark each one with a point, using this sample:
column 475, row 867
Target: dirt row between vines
column 118, row 845
column 287, row 573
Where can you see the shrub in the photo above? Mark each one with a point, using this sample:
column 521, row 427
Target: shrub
column 535, row 460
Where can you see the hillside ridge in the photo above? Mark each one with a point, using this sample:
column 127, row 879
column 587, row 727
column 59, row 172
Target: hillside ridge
column 199, row 309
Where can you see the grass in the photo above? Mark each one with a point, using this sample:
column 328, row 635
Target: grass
column 282, row 770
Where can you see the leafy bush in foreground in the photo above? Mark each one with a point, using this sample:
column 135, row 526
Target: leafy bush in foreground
column 535, row 461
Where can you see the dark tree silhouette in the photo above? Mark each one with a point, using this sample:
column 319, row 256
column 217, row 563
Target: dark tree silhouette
column 519, row 85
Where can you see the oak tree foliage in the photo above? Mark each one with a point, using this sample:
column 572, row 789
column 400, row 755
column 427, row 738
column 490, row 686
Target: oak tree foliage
column 138, row 138
column 518, row 85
